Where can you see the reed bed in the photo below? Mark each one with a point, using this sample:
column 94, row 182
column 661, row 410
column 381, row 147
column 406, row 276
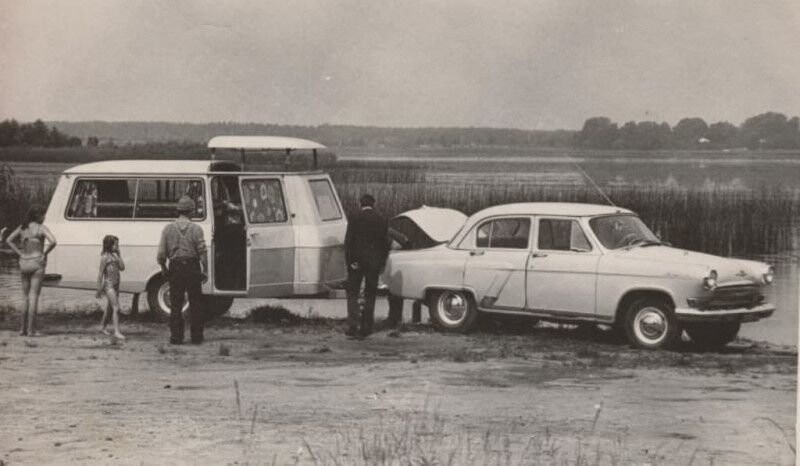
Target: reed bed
column 725, row 220
column 17, row 196
column 717, row 220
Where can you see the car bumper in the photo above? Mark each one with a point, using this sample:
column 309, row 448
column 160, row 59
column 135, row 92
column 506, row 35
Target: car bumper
column 687, row 314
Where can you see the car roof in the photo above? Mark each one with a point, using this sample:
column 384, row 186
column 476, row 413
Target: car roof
column 570, row 209
column 167, row 167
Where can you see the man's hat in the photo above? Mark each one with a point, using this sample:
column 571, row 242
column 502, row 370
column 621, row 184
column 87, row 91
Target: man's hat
column 185, row 204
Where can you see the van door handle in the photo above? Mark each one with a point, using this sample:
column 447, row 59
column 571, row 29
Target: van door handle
column 252, row 234
column 534, row 255
column 477, row 252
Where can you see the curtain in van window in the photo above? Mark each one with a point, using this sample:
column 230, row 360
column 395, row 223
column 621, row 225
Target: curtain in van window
column 157, row 197
column 102, row 198
column 263, row 201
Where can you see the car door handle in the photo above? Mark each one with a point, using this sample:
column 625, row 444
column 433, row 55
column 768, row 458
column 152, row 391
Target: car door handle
column 477, row 252
column 253, row 234
column 534, row 255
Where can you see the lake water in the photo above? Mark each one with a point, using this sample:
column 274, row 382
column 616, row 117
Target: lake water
column 781, row 328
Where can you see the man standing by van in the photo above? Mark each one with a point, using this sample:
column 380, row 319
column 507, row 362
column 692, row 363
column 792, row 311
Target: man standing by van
column 366, row 250
column 183, row 244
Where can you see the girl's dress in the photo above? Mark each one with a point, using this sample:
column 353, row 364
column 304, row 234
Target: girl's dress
column 111, row 277
column 31, row 261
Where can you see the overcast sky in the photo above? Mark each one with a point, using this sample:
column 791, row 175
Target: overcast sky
column 522, row 63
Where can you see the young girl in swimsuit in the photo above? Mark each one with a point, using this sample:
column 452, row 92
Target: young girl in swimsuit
column 32, row 262
column 108, row 282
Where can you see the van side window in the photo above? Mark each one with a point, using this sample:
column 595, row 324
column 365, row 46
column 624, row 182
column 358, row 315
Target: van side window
column 263, row 200
column 327, row 206
column 102, row 198
column 157, row 197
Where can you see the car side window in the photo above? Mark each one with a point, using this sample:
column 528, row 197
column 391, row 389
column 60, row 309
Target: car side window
column 562, row 235
column 504, row 233
column 102, row 199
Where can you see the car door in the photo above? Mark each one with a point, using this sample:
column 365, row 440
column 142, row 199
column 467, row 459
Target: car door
column 270, row 237
column 495, row 268
column 562, row 271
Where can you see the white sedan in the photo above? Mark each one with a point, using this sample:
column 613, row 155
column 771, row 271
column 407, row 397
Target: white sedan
column 577, row 263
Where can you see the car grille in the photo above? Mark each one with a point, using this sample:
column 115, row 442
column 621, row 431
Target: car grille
column 731, row 297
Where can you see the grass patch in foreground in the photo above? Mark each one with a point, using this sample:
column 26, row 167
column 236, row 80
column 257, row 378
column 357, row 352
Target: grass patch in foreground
column 427, row 438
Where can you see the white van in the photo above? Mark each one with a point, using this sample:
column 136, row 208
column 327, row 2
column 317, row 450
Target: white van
column 270, row 234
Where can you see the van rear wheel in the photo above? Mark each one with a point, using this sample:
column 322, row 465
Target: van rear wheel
column 158, row 298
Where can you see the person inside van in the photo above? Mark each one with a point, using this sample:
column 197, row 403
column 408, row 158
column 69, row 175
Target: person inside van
column 32, row 262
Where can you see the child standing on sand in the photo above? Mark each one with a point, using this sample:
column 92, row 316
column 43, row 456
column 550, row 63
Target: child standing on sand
column 111, row 264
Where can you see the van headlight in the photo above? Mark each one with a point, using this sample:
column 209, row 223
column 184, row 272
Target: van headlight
column 769, row 276
column 710, row 281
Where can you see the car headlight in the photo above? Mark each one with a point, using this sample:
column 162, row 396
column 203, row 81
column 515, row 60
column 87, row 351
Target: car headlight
column 710, row 281
column 769, row 276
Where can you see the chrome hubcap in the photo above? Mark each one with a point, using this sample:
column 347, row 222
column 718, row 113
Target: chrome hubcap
column 650, row 325
column 452, row 308
column 164, row 299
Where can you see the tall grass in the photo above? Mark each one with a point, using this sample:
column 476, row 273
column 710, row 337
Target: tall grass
column 715, row 219
column 16, row 197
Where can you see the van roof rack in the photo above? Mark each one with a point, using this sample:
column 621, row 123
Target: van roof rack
column 264, row 143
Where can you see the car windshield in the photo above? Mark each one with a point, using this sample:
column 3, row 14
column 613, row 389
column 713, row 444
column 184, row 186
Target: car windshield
column 619, row 231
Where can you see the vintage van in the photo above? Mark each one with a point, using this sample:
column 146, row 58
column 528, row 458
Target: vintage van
column 269, row 234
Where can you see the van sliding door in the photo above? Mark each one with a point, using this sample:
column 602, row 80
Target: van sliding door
column 270, row 238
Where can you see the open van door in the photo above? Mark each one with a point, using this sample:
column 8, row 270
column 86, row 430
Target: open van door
column 270, row 237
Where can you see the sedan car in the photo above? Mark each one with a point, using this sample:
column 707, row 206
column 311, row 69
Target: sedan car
column 578, row 263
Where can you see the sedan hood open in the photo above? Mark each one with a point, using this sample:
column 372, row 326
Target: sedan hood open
column 438, row 223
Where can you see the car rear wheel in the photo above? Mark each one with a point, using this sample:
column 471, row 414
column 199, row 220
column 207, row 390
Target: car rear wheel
column 452, row 310
column 708, row 335
column 650, row 323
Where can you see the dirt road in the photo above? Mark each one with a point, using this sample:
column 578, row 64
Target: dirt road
column 278, row 389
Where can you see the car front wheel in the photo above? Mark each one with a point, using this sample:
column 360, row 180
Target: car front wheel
column 452, row 310
column 712, row 335
column 650, row 324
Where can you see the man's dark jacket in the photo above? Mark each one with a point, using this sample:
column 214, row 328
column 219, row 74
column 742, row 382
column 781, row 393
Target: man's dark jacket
column 366, row 240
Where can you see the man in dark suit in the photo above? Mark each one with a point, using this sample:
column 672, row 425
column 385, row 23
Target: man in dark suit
column 366, row 249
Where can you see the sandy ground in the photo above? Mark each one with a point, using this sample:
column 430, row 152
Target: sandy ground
column 280, row 389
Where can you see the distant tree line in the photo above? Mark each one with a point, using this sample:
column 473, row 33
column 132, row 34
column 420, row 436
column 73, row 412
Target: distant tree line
column 36, row 134
column 121, row 133
column 766, row 131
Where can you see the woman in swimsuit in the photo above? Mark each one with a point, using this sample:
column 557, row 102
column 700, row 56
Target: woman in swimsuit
column 108, row 280
column 32, row 262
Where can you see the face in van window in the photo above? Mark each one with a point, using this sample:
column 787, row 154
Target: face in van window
column 264, row 201
column 102, row 198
